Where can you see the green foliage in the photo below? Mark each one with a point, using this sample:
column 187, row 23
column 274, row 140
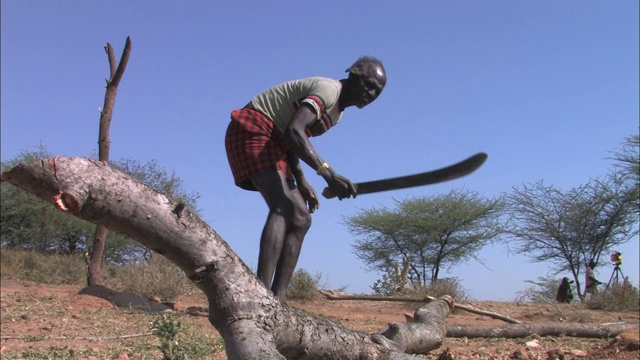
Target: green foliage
column 303, row 286
column 388, row 284
column 157, row 277
column 393, row 283
column 44, row 268
column 431, row 232
column 176, row 344
column 627, row 166
column 166, row 329
column 617, row 297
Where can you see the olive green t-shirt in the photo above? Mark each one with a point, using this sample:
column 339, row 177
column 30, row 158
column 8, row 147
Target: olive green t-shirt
column 280, row 102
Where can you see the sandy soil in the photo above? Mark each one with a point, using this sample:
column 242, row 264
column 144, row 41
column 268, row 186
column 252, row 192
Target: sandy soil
column 45, row 318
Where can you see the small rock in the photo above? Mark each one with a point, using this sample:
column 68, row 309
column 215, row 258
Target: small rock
column 578, row 353
column 533, row 343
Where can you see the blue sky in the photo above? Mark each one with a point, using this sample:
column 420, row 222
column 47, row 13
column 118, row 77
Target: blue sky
column 548, row 89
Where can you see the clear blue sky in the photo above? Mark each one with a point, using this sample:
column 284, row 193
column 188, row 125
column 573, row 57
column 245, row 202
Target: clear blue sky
column 548, row 89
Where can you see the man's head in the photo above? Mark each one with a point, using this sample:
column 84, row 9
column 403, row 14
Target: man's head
column 366, row 80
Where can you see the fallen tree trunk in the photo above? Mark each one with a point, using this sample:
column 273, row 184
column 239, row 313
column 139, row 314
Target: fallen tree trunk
column 334, row 295
column 252, row 322
column 541, row 329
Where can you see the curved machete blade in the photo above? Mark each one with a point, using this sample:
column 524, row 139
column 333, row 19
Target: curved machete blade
column 451, row 172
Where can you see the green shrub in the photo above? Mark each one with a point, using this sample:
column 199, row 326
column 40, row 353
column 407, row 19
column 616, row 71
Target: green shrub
column 617, row 297
column 176, row 344
column 43, row 268
column 303, row 286
column 393, row 282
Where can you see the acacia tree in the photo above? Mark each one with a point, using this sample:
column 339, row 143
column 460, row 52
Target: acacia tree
column 627, row 166
column 429, row 232
column 569, row 229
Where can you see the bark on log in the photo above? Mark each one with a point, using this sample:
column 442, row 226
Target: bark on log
column 541, row 329
column 252, row 322
column 333, row 295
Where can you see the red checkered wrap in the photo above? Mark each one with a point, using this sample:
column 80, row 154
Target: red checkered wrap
column 254, row 145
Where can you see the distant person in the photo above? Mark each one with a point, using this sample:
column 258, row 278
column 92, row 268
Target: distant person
column 565, row 294
column 265, row 141
column 591, row 283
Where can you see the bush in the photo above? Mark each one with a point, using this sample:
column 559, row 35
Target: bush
column 447, row 286
column 43, row 268
column 618, row 297
column 158, row 277
column 441, row 287
column 543, row 290
column 303, row 286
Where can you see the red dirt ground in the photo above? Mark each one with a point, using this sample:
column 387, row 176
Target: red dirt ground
column 38, row 316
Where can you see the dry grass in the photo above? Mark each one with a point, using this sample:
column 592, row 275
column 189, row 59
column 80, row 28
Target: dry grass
column 52, row 328
column 44, row 269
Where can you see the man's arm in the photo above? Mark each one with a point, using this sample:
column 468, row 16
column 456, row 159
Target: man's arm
column 307, row 192
column 294, row 164
column 303, row 149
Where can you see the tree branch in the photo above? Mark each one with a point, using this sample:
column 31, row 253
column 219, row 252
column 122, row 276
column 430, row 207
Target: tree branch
column 241, row 308
column 333, row 295
column 541, row 329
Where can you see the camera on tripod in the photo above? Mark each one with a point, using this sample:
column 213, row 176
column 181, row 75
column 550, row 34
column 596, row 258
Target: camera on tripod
column 616, row 258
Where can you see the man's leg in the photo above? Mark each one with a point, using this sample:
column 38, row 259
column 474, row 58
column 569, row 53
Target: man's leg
column 282, row 236
column 296, row 231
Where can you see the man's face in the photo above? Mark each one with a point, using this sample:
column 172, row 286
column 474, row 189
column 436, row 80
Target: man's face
column 368, row 87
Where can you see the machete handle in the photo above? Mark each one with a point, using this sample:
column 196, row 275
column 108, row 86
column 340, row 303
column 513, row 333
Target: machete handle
column 327, row 193
column 330, row 194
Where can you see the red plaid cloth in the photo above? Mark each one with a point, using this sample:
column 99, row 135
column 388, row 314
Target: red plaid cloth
column 254, row 145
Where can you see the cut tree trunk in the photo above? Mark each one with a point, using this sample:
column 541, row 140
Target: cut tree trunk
column 334, row 295
column 515, row 330
column 253, row 323
column 541, row 329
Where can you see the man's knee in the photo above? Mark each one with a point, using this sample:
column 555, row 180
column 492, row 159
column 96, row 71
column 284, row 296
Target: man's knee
column 302, row 220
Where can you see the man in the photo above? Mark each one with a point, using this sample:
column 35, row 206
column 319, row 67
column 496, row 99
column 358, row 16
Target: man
column 565, row 294
column 265, row 141
column 591, row 286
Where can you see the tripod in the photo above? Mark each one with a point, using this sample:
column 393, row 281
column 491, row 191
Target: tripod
column 615, row 276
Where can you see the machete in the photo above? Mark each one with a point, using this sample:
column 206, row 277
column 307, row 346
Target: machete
column 451, row 172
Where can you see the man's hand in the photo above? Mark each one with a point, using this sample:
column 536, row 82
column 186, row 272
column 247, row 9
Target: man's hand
column 342, row 186
column 309, row 195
